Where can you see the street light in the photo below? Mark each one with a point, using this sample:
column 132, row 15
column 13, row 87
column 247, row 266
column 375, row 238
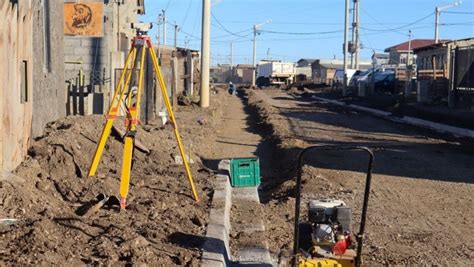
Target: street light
column 438, row 10
column 254, row 63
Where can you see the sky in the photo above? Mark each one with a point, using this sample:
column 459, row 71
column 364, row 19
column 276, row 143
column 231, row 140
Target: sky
column 305, row 28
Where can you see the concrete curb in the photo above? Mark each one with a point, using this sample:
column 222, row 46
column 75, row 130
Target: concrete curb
column 216, row 251
column 438, row 127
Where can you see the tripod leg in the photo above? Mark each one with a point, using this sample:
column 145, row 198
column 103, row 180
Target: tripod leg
column 173, row 120
column 133, row 116
column 127, row 162
column 111, row 116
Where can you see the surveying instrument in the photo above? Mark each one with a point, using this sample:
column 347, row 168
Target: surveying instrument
column 128, row 94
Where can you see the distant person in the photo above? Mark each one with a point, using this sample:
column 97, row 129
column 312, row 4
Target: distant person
column 232, row 89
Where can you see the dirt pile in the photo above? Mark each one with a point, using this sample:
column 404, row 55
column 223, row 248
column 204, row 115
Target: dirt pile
column 162, row 224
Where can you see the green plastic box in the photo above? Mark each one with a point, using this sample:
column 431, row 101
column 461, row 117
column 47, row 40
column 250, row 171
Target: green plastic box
column 244, row 172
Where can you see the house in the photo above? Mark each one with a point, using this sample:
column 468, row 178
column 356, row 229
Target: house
column 303, row 69
column 379, row 59
column 398, row 54
column 305, row 62
column 222, row 73
column 322, row 71
column 444, row 64
column 243, row 73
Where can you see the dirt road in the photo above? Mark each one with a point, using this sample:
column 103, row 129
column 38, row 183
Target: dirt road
column 420, row 210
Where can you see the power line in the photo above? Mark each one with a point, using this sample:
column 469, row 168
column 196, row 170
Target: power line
column 227, row 35
column 376, row 20
column 317, row 23
column 377, row 31
column 301, row 33
column 167, row 5
column 459, row 12
column 187, row 12
column 223, row 27
column 396, row 29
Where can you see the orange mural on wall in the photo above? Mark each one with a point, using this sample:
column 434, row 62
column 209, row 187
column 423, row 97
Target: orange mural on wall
column 83, row 18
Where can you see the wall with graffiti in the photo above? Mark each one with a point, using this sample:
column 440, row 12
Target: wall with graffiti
column 83, row 19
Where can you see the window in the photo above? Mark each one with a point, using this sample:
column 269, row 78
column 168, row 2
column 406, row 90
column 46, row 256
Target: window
column 403, row 59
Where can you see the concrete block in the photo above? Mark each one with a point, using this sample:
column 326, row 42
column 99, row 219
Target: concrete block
column 216, row 248
column 93, row 42
column 72, row 67
column 222, row 178
column 247, row 193
column 220, row 217
column 254, row 256
column 217, row 239
column 224, row 166
column 221, row 193
column 212, row 260
column 375, row 112
column 70, row 57
column 71, row 42
column 84, row 51
column 250, row 228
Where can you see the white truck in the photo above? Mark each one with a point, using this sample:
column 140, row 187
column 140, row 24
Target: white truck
column 275, row 73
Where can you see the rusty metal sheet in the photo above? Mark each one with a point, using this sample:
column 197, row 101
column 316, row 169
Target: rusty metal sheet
column 83, row 18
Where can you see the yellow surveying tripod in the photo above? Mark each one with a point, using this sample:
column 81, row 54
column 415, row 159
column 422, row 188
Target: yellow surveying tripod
column 135, row 58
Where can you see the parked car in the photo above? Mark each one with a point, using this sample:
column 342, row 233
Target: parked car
column 338, row 78
column 360, row 76
column 384, row 82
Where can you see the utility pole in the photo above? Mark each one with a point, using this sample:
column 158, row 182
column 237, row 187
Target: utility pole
column 175, row 68
column 408, row 68
column 357, row 41
column 158, row 37
column 231, row 63
column 254, row 61
column 409, row 48
column 231, row 54
column 164, row 27
column 355, row 36
column 175, row 35
column 254, row 58
column 205, row 52
column 346, row 37
column 438, row 10
column 351, row 48
column 268, row 54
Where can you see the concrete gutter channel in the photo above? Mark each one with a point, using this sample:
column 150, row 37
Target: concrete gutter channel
column 438, row 127
column 216, row 248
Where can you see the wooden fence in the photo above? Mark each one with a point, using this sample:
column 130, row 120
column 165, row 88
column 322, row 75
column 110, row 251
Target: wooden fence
column 432, row 74
column 16, row 81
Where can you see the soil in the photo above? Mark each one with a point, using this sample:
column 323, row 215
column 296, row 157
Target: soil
column 162, row 224
column 420, row 207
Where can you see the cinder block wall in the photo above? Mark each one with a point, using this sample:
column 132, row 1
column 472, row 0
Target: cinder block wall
column 49, row 96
